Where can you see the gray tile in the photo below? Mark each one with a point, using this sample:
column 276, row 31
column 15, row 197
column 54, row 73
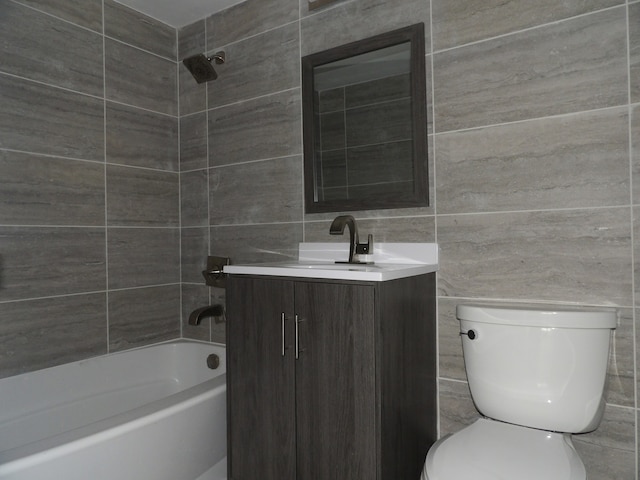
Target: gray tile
column 143, row 316
column 86, row 13
column 135, row 28
column 258, row 66
column 257, row 243
column 191, row 39
column 635, row 152
column 621, row 380
column 266, row 127
column 37, row 334
column 634, row 51
column 450, row 357
column 257, row 192
column 568, row 256
column 193, row 142
column 43, row 48
column 247, row 19
column 456, row 407
column 143, row 256
column 609, row 452
column 574, row 65
column 142, row 197
column 399, row 229
column 353, row 21
column 139, row 78
column 456, row 22
column 561, row 162
column 193, row 297
column 36, row 190
column 194, row 243
column 43, row 119
column 49, row 261
column 194, row 199
column 141, row 138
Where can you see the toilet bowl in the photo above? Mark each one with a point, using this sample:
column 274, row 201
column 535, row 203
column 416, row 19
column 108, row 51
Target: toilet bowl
column 536, row 376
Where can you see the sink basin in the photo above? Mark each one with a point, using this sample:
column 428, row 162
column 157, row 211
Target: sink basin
column 317, row 260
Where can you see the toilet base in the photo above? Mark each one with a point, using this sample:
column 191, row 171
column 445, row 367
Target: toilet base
column 492, row 450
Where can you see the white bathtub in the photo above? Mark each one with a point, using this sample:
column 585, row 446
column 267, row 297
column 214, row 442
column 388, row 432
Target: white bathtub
column 151, row 413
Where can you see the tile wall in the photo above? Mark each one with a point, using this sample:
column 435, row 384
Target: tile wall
column 534, row 137
column 89, row 182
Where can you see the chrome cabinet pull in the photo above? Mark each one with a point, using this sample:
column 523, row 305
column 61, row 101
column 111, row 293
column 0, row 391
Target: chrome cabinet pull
column 297, row 338
column 282, row 320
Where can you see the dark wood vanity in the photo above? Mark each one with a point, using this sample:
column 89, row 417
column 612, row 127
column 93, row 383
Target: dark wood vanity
column 330, row 379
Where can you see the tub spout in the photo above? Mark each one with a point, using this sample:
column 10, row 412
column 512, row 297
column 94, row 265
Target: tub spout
column 215, row 311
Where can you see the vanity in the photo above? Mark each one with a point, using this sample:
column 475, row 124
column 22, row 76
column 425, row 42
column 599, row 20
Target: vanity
column 331, row 368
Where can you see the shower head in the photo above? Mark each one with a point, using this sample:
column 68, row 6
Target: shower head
column 201, row 68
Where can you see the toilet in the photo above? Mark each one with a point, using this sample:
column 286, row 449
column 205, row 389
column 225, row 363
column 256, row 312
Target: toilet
column 536, row 376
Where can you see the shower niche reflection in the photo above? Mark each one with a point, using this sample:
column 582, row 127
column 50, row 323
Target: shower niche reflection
column 364, row 113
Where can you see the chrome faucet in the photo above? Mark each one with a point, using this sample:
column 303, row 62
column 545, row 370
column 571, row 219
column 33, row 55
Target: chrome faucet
column 355, row 247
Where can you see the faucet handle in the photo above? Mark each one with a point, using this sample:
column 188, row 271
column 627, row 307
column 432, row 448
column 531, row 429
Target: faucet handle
column 365, row 248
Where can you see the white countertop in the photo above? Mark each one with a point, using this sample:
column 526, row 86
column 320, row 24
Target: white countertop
column 317, row 260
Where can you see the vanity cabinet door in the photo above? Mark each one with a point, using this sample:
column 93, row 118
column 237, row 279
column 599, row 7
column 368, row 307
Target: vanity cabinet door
column 335, row 382
column 260, row 380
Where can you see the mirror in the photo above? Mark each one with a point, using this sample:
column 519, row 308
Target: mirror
column 365, row 125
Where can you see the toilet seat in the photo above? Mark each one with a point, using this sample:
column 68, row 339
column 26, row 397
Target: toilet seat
column 492, row 450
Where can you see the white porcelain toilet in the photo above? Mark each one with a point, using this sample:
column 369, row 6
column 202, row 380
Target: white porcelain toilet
column 537, row 376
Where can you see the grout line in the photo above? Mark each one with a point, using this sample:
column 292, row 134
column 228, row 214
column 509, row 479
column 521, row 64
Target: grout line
column 106, row 199
column 180, row 299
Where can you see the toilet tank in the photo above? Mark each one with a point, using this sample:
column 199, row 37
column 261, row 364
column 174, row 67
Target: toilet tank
column 543, row 368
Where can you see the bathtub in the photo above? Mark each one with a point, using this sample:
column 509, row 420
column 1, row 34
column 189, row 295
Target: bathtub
column 152, row 413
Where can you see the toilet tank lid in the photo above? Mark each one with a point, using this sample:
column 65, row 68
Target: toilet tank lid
column 539, row 316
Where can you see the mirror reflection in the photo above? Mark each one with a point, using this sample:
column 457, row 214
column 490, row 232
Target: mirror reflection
column 365, row 125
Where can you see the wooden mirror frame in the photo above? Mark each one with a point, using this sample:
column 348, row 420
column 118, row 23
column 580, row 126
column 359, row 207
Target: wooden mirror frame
column 419, row 197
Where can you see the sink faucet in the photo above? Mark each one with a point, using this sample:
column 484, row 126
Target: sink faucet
column 355, row 248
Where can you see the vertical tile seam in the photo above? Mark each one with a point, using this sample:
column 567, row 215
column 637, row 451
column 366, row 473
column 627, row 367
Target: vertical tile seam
column 179, row 169
column 208, row 182
column 302, row 190
column 106, row 199
column 632, row 234
column 432, row 181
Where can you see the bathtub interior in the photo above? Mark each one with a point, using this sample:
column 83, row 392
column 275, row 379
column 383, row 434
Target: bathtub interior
column 45, row 403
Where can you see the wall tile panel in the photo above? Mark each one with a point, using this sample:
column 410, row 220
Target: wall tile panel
column 36, row 46
column 139, row 78
column 42, row 119
column 135, row 28
column 143, row 316
column 141, row 138
column 42, row 333
column 38, row 190
column 568, row 256
column 45, row 261
column 266, row 127
column 561, row 162
column 257, row 192
column 457, row 22
column 143, row 256
column 546, row 71
column 142, row 197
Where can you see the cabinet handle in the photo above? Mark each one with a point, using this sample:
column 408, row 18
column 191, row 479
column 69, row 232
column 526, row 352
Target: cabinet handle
column 282, row 320
column 297, row 320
